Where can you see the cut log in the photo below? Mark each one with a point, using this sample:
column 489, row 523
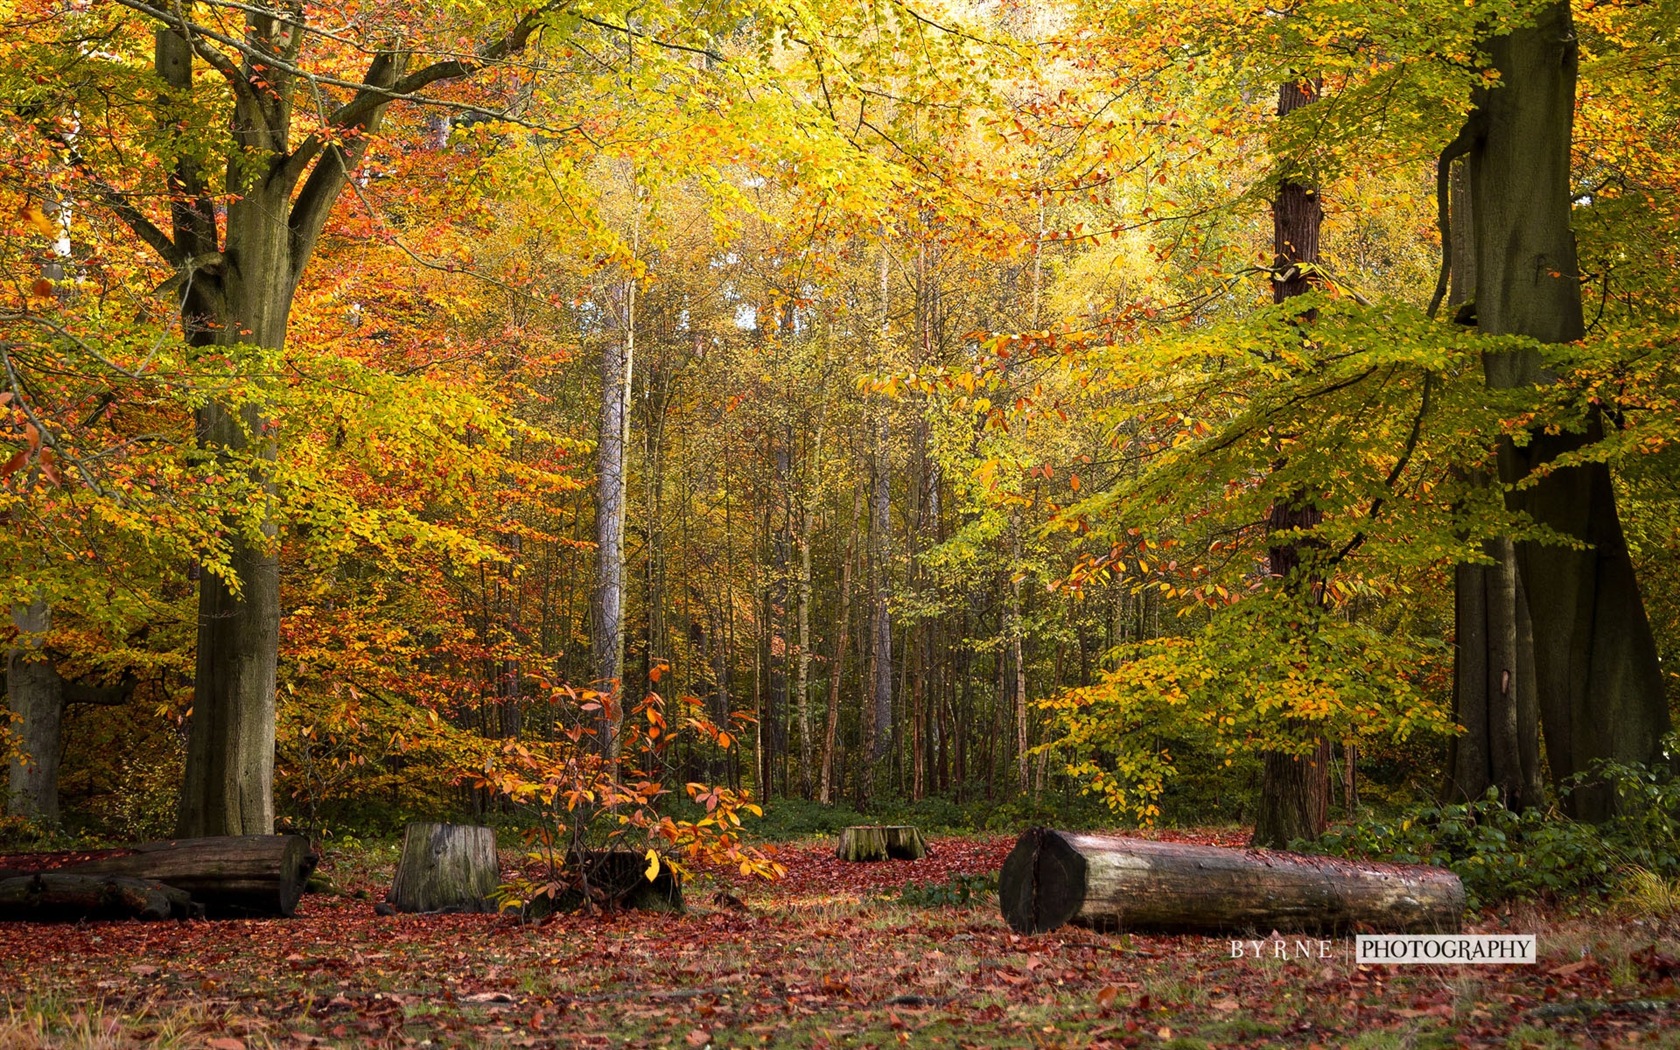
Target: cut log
column 881, row 842
column 231, row 875
column 54, row 896
column 1052, row 878
column 446, row 868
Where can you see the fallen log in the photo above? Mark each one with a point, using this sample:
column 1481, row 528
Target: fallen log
column 1052, row 878
column 881, row 842
column 53, row 896
column 231, row 875
column 446, row 868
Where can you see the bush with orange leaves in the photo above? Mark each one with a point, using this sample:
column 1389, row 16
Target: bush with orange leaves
column 594, row 806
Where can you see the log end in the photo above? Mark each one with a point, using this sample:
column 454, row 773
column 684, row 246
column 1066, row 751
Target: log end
column 1042, row 884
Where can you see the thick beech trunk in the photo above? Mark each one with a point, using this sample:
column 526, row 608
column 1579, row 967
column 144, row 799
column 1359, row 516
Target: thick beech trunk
column 1052, row 878
column 1493, row 672
column 236, row 875
column 1597, row 677
column 63, row 897
column 35, row 694
column 446, row 868
column 881, row 842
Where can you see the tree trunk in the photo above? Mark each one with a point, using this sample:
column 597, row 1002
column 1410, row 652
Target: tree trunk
column 802, row 681
column 1598, row 681
column 1294, row 797
column 446, row 868
column 1052, row 878
column 837, row 662
column 880, row 551
column 36, row 695
column 607, row 648
column 1493, row 683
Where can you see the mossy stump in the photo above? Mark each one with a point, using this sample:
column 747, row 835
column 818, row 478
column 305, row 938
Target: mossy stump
column 881, row 842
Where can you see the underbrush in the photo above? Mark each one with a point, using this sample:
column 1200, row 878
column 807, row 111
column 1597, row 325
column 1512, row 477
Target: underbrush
column 1538, row 854
column 786, row 819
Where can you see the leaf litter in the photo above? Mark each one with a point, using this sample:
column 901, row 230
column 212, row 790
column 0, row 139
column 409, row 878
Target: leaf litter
column 828, row 956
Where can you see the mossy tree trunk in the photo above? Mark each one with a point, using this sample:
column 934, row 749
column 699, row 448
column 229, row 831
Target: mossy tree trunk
column 1597, row 677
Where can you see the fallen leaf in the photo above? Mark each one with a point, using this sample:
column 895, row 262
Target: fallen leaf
column 1106, row 996
column 698, row 1037
column 488, row 997
column 1227, row 1005
column 1569, row 968
column 143, row 970
column 226, row 1043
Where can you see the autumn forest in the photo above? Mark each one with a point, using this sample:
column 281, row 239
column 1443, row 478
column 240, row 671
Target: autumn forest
column 638, row 424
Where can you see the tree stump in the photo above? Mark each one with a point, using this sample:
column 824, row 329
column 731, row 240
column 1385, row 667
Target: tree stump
column 881, row 842
column 1052, row 878
column 446, row 868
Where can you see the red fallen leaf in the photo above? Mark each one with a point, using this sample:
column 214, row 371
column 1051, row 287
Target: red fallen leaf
column 1107, row 995
column 226, row 1043
column 143, row 970
column 1570, row 968
column 698, row 1037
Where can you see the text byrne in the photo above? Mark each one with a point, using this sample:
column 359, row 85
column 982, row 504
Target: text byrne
column 1281, row 949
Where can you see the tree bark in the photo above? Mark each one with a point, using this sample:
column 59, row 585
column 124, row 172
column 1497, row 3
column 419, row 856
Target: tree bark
column 36, row 695
column 1598, row 681
column 881, row 842
column 880, row 553
column 1294, row 800
column 62, row 897
column 446, row 868
column 1052, row 878
column 837, row 662
column 607, row 639
column 229, row 875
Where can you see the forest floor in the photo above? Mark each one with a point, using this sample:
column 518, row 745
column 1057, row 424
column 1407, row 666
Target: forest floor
column 835, row 954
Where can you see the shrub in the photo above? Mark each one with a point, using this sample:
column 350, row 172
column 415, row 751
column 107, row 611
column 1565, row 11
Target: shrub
column 1502, row 855
column 583, row 806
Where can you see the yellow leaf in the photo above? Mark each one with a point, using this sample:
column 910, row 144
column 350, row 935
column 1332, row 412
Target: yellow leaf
column 32, row 214
column 653, row 865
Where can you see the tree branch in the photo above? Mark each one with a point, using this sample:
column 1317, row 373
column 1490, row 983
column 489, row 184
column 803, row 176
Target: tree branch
column 1458, row 147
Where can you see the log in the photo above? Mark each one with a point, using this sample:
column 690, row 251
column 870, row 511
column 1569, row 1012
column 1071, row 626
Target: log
column 881, row 842
column 1052, row 878
column 231, row 875
column 446, row 868
column 54, row 896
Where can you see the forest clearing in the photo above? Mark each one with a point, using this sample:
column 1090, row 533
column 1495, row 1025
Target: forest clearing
column 833, row 955
column 472, row 471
